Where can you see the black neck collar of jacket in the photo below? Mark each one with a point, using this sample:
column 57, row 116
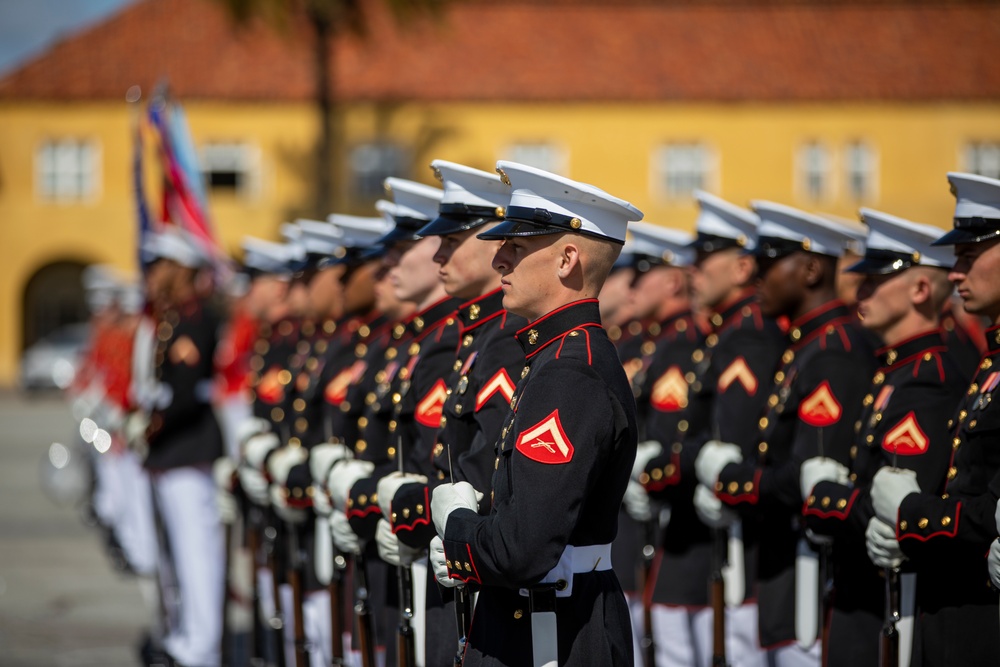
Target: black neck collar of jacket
column 430, row 316
column 556, row 324
column 722, row 318
column 911, row 348
column 480, row 310
column 802, row 329
column 993, row 339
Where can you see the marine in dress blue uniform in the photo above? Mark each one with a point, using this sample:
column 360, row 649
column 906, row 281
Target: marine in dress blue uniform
column 542, row 552
column 903, row 423
column 811, row 408
column 945, row 529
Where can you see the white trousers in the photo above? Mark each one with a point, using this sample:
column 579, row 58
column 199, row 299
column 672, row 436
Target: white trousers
column 232, row 411
column 683, row 636
column 186, row 501
column 794, row 655
column 136, row 529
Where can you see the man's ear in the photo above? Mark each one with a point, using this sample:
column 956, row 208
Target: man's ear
column 746, row 269
column 569, row 259
column 814, row 270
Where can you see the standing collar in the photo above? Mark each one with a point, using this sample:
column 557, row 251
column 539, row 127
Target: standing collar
column 724, row 316
column 911, row 348
column 557, row 323
column 480, row 310
column 993, row 339
column 432, row 314
column 804, row 327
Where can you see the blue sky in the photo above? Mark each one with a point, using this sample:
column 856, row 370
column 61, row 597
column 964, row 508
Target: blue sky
column 27, row 27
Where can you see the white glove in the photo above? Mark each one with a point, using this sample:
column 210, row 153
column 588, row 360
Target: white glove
column 889, row 487
column 820, row 469
column 222, row 472
column 321, row 501
column 993, row 562
column 389, row 485
column 257, row 449
column 390, row 549
column 322, row 457
column 883, row 548
column 636, row 502
column 436, row 557
column 284, row 460
column 644, row 453
column 250, row 427
column 254, row 485
column 710, row 509
column 279, row 501
column 344, row 538
column 343, row 476
column 713, row 457
column 449, row 497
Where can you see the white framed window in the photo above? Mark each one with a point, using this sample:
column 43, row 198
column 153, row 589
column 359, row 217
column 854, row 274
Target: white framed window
column 682, row 167
column 542, row 155
column 231, row 166
column 860, row 171
column 68, row 170
column 983, row 158
column 371, row 163
column 814, row 167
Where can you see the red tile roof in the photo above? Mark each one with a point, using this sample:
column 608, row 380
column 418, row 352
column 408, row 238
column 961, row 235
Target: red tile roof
column 619, row 50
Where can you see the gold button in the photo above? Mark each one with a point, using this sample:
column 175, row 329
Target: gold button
column 712, row 340
column 285, row 376
column 748, row 487
column 718, row 487
column 697, row 356
column 420, row 509
column 869, row 438
column 772, row 400
column 444, row 421
column 811, row 500
column 468, row 568
column 987, row 363
column 360, row 446
column 972, row 424
column 841, row 504
column 524, row 372
column 945, row 520
column 973, row 388
column 414, row 349
column 406, row 512
column 438, row 450
column 879, row 378
column 734, row 487
column 532, row 336
column 854, row 451
column 922, row 523
column 518, row 614
column 457, row 365
column 689, row 377
column 277, row 414
column 362, row 422
column 677, row 448
column 301, row 424
column 902, row 524
column 779, row 376
column 951, row 422
column 682, row 426
column 762, row 448
column 656, row 474
column 390, row 452
column 762, row 423
column 392, row 426
column 362, row 499
column 787, row 358
column 867, row 400
column 795, row 333
column 396, row 398
column 955, row 443
column 890, row 357
column 952, row 472
column 962, row 415
column 448, row 563
column 825, row 502
column 669, row 469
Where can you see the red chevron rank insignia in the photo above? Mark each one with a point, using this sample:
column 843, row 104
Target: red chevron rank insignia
column 738, row 371
column 820, row 408
column 430, row 406
column 670, row 393
column 498, row 384
column 270, row 389
column 906, row 438
column 546, row 441
column 336, row 389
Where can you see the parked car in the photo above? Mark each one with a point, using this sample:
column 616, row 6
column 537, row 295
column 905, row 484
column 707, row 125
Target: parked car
column 52, row 362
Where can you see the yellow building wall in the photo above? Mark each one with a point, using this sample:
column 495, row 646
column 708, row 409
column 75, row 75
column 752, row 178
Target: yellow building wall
column 609, row 145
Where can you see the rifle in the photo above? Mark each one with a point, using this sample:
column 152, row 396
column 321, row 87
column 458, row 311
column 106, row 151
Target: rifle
column 253, row 520
column 406, row 654
column 889, row 644
column 275, row 623
column 362, row 611
column 228, row 552
column 647, row 644
column 296, row 564
column 463, row 600
column 335, row 589
column 720, row 548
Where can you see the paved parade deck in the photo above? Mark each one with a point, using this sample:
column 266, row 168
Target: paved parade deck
column 60, row 602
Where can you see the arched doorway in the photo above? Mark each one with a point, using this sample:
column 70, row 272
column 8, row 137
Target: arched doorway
column 53, row 298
